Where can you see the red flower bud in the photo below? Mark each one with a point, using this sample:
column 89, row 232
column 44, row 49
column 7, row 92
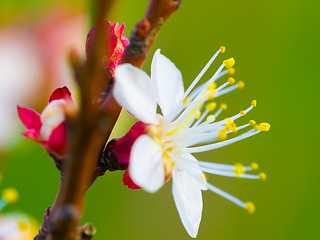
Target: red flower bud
column 49, row 128
column 115, row 43
column 121, row 149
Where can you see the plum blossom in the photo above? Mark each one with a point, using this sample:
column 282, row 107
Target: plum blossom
column 17, row 226
column 49, row 128
column 160, row 146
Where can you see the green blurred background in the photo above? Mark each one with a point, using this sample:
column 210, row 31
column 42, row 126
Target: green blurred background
column 275, row 44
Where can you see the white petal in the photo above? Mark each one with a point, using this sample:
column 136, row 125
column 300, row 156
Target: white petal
column 134, row 91
column 146, row 167
column 51, row 117
column 189, row 164
column 188, row 199
column 169, row 82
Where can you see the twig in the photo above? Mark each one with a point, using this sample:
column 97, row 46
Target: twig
column 146, row 30
column 89, row 131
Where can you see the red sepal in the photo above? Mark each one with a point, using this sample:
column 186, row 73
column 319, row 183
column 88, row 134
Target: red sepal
column 128, row 181
column 57, row 142
column 122, row 146
column 60, row 93
column 30, row 118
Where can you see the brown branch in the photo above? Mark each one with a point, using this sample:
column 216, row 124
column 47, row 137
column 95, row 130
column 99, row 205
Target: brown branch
column 89, row 131
column 146, row 30
column 87, row 134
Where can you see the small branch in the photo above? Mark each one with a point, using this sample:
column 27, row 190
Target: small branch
column 89, row 131
column 146, row 30
column 87, row 137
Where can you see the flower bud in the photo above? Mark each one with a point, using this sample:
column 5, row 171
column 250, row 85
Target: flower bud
column 114, row 44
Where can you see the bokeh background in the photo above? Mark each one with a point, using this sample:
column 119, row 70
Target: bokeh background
column 276, row 46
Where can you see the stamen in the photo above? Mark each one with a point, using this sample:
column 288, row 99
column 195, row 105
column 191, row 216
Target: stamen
column 252, row 122
column 211, row 106
column 240, row 84
column 226, row 195
column 229, row 63
column 198, row 114
column 222, row 86
column 9, row 195
column 239, row 128
column 250, row 207
column 203, row 71
column 227, row 90
column 261, row 176
column 223, row 106
column 254, row 166
column 265, row 127
column 222, row 135
column 231, row 71
column 225, row 167
column 222, row 144
column 231, row 80
column 204, row 114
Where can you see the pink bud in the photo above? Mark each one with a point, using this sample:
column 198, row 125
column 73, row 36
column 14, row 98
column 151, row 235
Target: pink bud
column 115, row 43
column 56, row 140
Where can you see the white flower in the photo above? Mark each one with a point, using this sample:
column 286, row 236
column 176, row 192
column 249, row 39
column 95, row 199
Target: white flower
column 166, row 150
column 17, row 226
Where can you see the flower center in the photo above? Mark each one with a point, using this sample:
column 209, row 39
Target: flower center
column 156, row 133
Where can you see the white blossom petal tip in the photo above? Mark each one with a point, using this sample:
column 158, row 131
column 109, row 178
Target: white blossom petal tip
column 134, row 91
column 168, row 80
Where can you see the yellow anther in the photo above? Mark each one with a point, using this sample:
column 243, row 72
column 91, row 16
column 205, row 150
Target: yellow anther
column 223, row 106
column 250, row 207
column 211, row 118
column 240, row 84
column 229, row 121
column 23, row 226
column 265, row 127
column 211, row 106
column 234, row 128
column 222, row 135
column 262, row 176
column 186, row 100
column 252, row 122
column 257, row 127
column 210, row 92
column 10, row 195
column 231, row 80
column 222, row 49
column 231, row 71
column 242, row 113
column 212, row 86
column 254, row 103
column 230, row 125
column 210, row 97
column 239, row 169
column 168, row 164
column 198, row 114
column 229, row 63
column 254, row 166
